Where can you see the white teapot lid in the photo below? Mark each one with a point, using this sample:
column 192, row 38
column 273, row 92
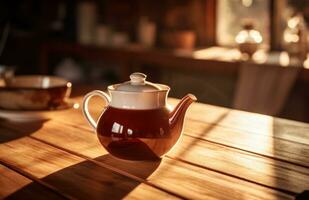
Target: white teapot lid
column 138, row 93
column 137, row 83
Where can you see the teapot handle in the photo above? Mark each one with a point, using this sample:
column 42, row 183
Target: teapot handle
column 86, row 102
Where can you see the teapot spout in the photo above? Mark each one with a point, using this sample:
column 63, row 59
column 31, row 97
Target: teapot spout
column 177, row 116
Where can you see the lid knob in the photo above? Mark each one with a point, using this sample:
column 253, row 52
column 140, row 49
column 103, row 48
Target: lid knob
column 138, row 78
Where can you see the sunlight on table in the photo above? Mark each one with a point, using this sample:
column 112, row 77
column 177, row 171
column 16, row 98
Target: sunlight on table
column 220, row 53
column 306, row 62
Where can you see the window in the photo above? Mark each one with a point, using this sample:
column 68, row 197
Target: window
column 231, row 13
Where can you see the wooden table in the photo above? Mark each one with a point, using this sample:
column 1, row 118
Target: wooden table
column 223, row 154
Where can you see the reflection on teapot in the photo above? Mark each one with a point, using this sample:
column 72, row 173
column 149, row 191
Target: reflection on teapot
column 137, row 124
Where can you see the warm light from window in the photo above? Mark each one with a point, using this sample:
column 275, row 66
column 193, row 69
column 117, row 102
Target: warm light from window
column 241, row 37
column 289, row 37
column 248, row 36
column 260, row 56
column 218, row 53
column 306, row 62
column 293, row 22
column 247, row 3
column 284, row 59
column 76, row 106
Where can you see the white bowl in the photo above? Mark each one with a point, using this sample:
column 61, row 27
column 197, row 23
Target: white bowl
column 34, row 92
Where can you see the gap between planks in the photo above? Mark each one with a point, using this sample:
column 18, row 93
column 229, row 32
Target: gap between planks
column 36, row 180
column 142, row 180
column 170, row 157
column 252, row 152
column 109, row 167
column 234, row 176
column 211, row 141
column 238, row 129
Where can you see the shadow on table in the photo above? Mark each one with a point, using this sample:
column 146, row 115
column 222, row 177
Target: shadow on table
column 14, row 130
column 34, row 191
column 287, row 149
column 89, row 180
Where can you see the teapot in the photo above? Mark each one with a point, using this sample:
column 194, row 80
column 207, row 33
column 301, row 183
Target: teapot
column 137, row 123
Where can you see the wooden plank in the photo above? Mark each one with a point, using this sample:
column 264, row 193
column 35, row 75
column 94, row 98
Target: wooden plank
column 72, row 175
column 247, row 166
column 93, row 150
column 215, row 156
column 17, row 186
column 282, row 145
column 85, row 143
column 279, row 149
column 282, row 175
column 235, row 119
column 249, row 122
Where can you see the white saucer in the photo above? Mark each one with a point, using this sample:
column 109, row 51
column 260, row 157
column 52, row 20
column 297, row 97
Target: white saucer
column 36, row 115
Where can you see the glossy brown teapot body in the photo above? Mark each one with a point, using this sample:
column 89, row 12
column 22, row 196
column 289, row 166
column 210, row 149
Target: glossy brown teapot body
column 137, row 124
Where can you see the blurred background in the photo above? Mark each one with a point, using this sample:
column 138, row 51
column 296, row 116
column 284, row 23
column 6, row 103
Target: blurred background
column 245, row 54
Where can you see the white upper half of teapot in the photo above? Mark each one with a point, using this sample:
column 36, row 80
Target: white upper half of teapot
column 138, row 94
